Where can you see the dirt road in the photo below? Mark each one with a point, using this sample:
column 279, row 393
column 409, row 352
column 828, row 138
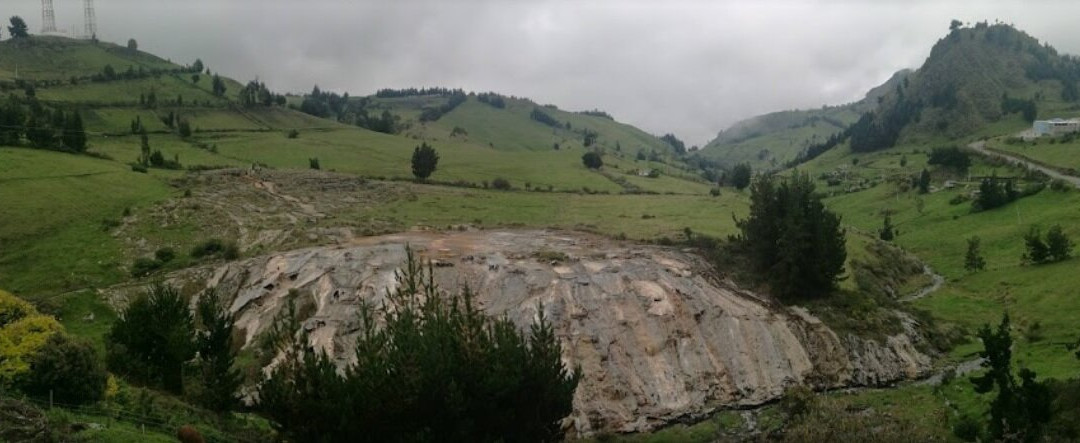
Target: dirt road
column 980, row 147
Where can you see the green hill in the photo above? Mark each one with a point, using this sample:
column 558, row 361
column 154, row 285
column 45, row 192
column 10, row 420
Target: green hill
column 772, row 140
column 110, row 86
column 974, row 78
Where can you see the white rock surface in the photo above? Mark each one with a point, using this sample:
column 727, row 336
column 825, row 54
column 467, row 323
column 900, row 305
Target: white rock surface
column 657, row 335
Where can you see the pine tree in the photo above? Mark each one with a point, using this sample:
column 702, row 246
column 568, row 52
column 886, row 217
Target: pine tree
column 424, row 161
column 1021, row 408
column 220, row 380
column 887, row 232
column 973, row 260
column 74, row 135
column 153, row 338
column 1037, row 251
column 792, row 239
column 429, row 367
column 1058, row 245
column 144, row 148
column 924, row 182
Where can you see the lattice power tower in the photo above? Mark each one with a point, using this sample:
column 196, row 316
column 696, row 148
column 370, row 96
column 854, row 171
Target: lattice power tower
column 91, row 20
column 48, row 18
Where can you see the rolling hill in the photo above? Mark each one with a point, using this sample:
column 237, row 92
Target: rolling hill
column 772, row 140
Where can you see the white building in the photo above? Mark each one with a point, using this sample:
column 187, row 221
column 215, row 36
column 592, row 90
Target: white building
column 1055, row 126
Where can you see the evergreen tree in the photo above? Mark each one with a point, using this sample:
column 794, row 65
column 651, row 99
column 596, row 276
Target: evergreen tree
column 429, row 367
column 1018, row 409
column 74, row 135
column 888, row 231
column 1037, row 251
column 424, row 161
column 220, row 380
column 144, row 148
column 792, row 238
column 152, row 338
column 973, row 259
column 38, row 131
column 924, row 181
column 218, row 86
column 1058, row 245
column 12, row 122
column 18, row 28
column 741, row 175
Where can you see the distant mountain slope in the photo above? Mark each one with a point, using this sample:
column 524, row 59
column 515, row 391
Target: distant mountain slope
column 973, row 77
column 771, row 140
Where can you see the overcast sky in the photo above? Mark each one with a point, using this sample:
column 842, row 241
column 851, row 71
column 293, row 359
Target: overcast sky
column 688, row 67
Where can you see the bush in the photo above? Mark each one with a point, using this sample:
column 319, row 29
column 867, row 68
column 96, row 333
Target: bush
column 22, row 332
column 164, row 255
column 715, row 192
column 292, row 134
column 144, row 266
column 950, row 157
column 967, row 428
column 592, row 160
column 138, row 168
column 67, row 369
column 501, row 184
column 214, row 246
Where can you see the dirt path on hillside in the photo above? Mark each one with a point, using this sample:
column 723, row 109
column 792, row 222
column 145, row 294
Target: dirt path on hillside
column 980, row 147
column 936, row 281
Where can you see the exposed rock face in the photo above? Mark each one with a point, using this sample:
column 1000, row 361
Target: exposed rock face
column 656, row 336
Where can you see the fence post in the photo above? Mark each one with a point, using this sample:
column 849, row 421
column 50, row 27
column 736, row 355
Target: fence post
column 50, row 398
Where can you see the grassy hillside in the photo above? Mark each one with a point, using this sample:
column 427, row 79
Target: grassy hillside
column 770, row 141
column 974, row 78
column 59, row 58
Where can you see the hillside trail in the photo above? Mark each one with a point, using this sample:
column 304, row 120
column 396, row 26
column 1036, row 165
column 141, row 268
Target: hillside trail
column 980, row 147
column 936, row 281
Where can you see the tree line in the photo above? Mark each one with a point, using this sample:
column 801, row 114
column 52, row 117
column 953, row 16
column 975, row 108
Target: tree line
column 42, row 127
column 428, row 366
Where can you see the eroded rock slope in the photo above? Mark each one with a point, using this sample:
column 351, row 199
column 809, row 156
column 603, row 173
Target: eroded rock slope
column 657, row 336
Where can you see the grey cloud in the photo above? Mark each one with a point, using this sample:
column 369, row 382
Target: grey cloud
column 688, row 67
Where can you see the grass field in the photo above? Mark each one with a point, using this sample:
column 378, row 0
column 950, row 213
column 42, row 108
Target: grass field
column 55, row 206
column 643, row 217
column 1049, row 151
column 167, row 89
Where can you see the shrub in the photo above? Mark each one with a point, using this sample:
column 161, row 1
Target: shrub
column 715, row 192
column 215, row 246
column 138, row 168
column 164, row 255
column 22, row 332
column 292, row 134
column 144, row 266
column 67, row 369
column 501, row 184
column 592, row 160
column 967, row 428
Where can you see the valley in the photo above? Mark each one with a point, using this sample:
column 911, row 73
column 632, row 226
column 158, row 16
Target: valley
column 312, row 204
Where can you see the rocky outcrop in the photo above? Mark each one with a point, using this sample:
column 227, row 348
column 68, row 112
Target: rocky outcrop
column 657, row 336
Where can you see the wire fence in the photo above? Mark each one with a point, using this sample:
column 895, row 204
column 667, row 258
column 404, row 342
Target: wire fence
column 145, row 423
